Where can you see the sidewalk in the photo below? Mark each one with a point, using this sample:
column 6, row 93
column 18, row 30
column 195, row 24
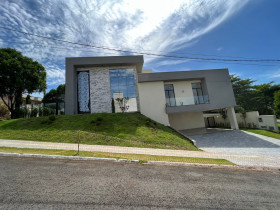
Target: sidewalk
column 243, row 160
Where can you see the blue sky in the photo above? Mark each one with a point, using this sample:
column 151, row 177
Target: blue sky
column 233, row 29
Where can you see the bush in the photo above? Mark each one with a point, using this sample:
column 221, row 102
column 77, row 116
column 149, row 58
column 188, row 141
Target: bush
column 40, row 111
column 4, row 111
column 46, row 111
column 34, row 112
column 52, row 118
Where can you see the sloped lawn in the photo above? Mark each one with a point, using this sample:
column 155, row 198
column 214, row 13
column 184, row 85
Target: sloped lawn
column 118, row 129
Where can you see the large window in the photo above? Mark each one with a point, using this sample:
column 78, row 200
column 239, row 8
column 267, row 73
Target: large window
column 198, row 93
column 122, row 82
column 169, row 95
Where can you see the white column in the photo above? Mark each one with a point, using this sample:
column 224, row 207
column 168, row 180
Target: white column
column 232, row 118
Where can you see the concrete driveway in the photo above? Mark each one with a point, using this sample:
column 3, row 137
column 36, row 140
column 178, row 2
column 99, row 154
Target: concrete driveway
column 237, row 142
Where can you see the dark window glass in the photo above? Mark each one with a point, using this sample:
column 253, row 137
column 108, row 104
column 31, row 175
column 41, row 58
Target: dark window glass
column 169, row 95
column 198, row 93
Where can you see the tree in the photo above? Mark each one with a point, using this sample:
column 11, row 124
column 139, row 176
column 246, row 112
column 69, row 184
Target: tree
column 244, row 92
column 19, row 74
column 55, row 96
column 123, row 103
column 277, row 103
column 265, row 97
column 254, row 97
column 28, row 99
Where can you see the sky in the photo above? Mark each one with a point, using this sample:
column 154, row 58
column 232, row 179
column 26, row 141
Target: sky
column 215, row 29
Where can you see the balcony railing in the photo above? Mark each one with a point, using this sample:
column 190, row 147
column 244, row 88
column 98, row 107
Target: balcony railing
column 183, row 101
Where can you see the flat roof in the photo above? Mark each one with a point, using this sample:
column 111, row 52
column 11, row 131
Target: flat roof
column 183, row 75
column 137, row 60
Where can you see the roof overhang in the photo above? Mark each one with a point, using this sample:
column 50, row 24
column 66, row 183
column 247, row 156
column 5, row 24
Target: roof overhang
column 135, row 60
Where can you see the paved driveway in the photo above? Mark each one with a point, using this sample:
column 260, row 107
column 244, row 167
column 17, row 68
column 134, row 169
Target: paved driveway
column 238, row 142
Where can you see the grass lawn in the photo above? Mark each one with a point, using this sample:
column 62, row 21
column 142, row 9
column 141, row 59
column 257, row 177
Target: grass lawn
column 141, row 158
column 263, row 132
column 117, row 129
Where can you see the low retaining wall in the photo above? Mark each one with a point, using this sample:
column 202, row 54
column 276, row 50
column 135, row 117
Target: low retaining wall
column 252, row 120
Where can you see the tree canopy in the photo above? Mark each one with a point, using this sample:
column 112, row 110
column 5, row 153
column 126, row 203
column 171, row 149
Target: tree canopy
column 55, row 95
column 19, row 74
column 252, row 97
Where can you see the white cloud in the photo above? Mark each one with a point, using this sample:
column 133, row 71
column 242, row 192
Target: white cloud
column 275, row 74
column 144, row 25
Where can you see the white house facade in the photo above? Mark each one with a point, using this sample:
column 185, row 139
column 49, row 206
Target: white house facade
column 118, row 83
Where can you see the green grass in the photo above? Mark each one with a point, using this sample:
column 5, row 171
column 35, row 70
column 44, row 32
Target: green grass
column 118, row 129
column 141, row 158
column 263, row 132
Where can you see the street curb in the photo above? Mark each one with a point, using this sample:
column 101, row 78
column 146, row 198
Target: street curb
column 159, row 163
column 255, row 168
column 65, row 157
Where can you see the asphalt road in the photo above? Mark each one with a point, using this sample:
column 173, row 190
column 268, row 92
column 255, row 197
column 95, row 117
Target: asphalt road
column 28, row 183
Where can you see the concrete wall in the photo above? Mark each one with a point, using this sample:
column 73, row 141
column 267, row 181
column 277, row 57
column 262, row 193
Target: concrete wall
column 152, row 101
column 187, row 120
column 215, row 82
column 269, row 122
column 252, row 120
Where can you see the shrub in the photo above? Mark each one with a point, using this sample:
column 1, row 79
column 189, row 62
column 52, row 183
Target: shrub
column 4, row 111
column 34, row 112
column 46, row 111
column 99, row 119
column 52, row 111
column 40, row 111
column 52, row 118
column 19, row 113
column 26, row 112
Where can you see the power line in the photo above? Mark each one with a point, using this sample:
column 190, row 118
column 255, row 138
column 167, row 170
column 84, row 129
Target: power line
column 142, row 53
column 94, row 49
column 176, row 53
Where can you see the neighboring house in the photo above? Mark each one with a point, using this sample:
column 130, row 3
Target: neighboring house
column 33, row 100
column 177, row 99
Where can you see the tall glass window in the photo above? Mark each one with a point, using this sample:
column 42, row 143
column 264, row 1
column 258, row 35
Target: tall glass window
column 198, row 93
column 169, row 95
column 122, row 82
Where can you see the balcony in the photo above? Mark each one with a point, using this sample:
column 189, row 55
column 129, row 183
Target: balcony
column 187, row 104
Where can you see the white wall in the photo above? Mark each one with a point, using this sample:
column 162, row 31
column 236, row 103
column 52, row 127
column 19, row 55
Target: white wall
column 188, row 120
column 152, row 101
column 252, row 118
column 183, row 92
column 269, row 122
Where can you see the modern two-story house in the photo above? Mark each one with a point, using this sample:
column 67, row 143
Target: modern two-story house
column 177, row 99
